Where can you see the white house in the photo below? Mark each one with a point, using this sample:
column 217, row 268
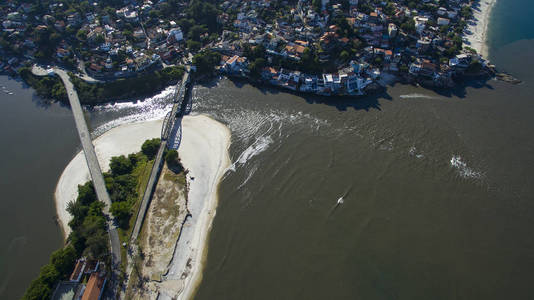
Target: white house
column 443, row 21
column 176, row 33
column 420, row 23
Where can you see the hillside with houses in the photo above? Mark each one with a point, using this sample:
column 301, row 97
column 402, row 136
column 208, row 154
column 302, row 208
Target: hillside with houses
column 338, row 47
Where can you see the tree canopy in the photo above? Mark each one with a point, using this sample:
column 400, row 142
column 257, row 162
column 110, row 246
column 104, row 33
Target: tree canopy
column 150, row 147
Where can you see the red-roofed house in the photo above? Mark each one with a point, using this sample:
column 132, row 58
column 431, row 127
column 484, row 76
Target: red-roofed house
column 94, row 287
column 77, row 273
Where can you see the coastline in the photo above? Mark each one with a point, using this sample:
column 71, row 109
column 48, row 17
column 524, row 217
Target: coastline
column 124, row 139
column 204, row 153
column 476, row 32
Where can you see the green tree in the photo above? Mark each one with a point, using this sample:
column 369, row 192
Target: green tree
column 86, row 193
column 171, row 157
column 257, row 66
column 317, row 5
column 193, row 45
column 81, row 35
column 206, row 61
column 63, row 260
column 196, row 31
column 344, row 55
column 99, row 39
column 120, row 165
column 150, row 147
column 38, row 290
column 122, row 212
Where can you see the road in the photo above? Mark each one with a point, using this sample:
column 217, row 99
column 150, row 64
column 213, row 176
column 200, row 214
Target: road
column 94, row 170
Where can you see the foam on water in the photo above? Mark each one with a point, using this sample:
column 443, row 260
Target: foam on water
column 152, row 108
column 417, row 96
column 252, row 171
column 462, row 168
column 413, row 152
column 260, row 145
column 145, row 103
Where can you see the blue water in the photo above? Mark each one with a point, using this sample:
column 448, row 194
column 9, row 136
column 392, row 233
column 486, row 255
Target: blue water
column 510, row 21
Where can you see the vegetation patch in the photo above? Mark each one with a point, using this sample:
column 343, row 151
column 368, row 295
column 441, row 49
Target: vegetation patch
column 125, row 182
column 143, row 84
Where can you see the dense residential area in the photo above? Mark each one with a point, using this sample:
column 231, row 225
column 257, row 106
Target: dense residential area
column 320, row 46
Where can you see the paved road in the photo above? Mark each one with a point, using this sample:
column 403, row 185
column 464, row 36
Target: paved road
column 94, row 169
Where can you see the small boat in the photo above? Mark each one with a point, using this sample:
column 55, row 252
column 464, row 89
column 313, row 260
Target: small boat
column 339, row 201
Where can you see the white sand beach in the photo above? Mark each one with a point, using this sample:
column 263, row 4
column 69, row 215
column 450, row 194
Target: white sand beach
column 475, row 36
column 204, row 152
column 124, row 139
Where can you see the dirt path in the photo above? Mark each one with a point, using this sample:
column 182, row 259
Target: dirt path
column 160, row 232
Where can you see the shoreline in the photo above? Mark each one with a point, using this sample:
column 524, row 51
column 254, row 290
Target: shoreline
column 204, row 153
column 478, row 27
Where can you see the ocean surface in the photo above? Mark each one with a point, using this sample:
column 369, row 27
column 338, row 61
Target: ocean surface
column 410, row 194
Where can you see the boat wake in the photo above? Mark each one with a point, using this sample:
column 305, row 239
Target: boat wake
column 339, row 202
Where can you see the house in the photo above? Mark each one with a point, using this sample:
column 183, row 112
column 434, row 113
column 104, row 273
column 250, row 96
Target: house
column 309, row 84
column 460, row 61
column 95, row 286
column 235, row 64
column 427, row 69
column 355, row 84
column 74, row 19
column 62, row 52
column 175, row 34
column 78, row 271
column 423, row 44
column 420, row 23
column 443, row 21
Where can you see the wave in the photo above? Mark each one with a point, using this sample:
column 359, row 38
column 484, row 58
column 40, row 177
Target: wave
column 138, row 103
column 260, row 145
column 417, row 96
column 152, row 108
column 413, row 152
column 464, row 171
column 252, row 171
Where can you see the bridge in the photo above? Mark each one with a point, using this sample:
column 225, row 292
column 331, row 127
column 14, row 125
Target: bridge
column 171, row 135
column 95, row 171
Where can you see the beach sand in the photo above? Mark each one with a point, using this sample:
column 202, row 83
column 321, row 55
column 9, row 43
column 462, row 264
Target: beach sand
column 124, row 139
column 204, row 153
column 475, row 36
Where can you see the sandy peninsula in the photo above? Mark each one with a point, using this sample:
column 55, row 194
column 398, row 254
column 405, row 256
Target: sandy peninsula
column 478, row 26
column 203, row 152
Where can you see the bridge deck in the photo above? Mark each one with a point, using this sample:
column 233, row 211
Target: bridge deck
column 94, row 169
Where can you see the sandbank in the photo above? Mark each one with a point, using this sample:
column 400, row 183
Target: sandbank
column 204, row 153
